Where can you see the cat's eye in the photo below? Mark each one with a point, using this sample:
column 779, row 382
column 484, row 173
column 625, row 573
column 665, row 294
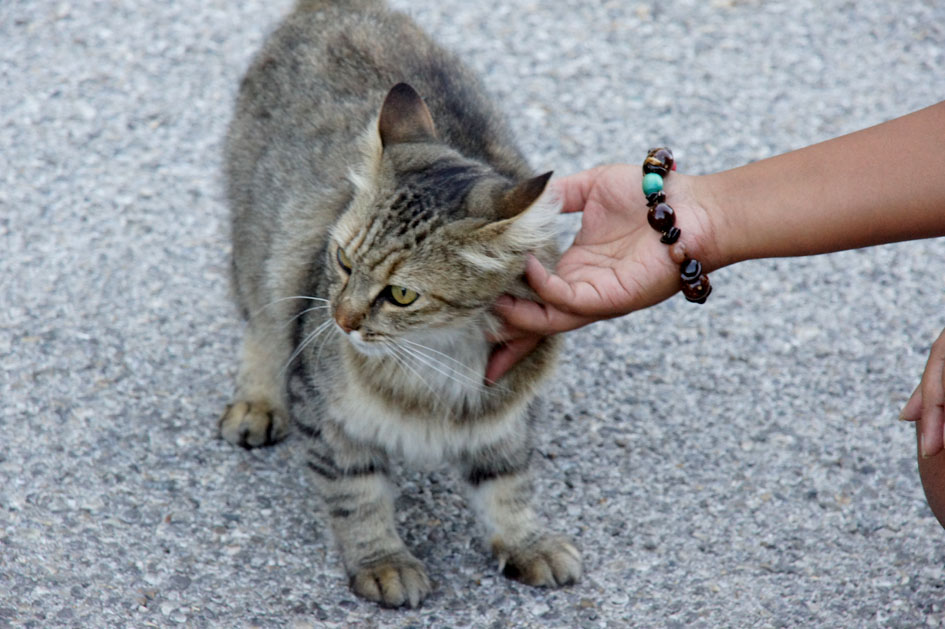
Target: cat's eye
column 401, row 296
column 344, row 260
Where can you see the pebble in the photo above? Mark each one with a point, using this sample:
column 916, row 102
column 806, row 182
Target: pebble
column 540, row 609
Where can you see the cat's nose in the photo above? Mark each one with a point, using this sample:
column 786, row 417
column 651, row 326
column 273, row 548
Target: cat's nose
column 346, row 326
column 348, row 320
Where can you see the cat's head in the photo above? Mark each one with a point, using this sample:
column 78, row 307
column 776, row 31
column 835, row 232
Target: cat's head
column 431, row 237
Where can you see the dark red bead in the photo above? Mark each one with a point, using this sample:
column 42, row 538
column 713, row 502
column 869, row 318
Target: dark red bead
column 697, row 290
column 661, row 217
column 659, row 161
column 655, row 197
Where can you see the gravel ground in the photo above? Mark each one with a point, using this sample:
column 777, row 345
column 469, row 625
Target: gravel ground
column 736, row 464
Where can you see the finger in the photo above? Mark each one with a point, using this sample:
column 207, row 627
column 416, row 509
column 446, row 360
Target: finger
column 931, row 428
column 912, row 411
column 549, row 286
column 580, row 299
column 505, row 356
column 543, row 319
column 932, row 473
column 932, row 424
column 506, row 333
column 575, row 189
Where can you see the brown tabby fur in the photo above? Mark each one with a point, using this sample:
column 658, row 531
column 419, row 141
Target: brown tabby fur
column 348, row 188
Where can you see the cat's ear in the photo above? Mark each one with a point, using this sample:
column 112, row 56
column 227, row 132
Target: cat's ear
column 523, row 217
column 522, row 196
column 404, row 117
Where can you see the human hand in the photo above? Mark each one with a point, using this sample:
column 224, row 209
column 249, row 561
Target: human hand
column 927, row 404
column 616, row 264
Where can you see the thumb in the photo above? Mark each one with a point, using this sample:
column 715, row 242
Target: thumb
column 544, row 319
column 912, row 411
column 550, row 287
column 506, row 355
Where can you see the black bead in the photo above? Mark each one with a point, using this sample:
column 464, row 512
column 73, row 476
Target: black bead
column 690, row 270
column 670, row 236
column 661, row 217
column 655, row 197
column 659, row 161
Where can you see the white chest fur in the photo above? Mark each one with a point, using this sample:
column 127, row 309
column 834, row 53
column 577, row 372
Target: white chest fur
column 444, row 369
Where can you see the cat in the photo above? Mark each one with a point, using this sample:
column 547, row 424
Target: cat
column 372, row 230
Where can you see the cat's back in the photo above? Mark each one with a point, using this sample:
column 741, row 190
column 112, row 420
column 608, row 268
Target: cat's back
column 320, row 79
column 306, row 96
column 318, row 74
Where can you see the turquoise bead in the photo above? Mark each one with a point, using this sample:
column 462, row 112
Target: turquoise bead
column 652, row 183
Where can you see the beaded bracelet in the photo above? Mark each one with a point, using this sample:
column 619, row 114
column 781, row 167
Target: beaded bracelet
column 661, row 217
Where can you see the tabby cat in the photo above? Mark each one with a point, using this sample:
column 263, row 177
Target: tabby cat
column 372, row 230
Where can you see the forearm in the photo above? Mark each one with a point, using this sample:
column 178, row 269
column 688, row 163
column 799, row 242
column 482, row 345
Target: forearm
column 879, row 185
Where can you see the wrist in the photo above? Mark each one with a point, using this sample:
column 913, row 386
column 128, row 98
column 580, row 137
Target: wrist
column 709, row 229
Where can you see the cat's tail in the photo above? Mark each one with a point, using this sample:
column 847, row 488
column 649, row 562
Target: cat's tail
column 315, row 5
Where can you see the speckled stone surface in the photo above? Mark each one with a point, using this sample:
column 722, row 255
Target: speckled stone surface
column 735, row 464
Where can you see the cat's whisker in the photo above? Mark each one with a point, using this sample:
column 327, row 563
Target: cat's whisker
column 321, row 345
column 276, row 301
column 473, row 376
column 438, row 352
column 308, row 339
column 401, row 357
column 307, row 310
column 445, row 370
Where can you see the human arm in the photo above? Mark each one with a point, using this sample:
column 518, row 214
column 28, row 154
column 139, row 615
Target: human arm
column 878, row 185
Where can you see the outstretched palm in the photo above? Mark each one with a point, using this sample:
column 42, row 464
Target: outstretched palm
column 615, row 265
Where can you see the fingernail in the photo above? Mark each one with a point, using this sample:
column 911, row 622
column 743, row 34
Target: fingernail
column 504, row 302
column 903, row 418
column 922, row 449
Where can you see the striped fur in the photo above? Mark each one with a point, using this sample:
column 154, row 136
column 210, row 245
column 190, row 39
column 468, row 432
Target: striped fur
column 341, row 187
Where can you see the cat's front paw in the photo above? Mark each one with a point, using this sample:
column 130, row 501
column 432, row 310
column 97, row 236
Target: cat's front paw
column 548, row 560
column 253, row 424
column 394, row 581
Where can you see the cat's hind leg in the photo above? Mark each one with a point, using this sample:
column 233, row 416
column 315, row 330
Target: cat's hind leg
column 501, row 492
column 257, row 416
